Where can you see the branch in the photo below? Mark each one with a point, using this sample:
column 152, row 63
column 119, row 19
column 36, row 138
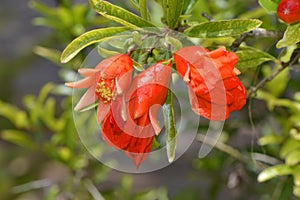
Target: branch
column 207, row 16
column 224, row 148
column 294, row 58
column 258, row 32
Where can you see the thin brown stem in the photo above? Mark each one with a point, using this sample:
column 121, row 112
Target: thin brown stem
column 294, row 58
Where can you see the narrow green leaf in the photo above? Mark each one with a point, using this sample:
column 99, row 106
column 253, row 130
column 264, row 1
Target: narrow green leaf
column 87, row 39
column 268, row 5
column 18, row 117
column 188, row 6
column 274, row 171
column 135, row 4
column 289, row 146
column 170, row 124
column 223, row 28
column 52, row 55
column 251, row 58
column 293, row 158
column 270, row 139
column 119, row 14
column 144, row 9
column 17, row 137
column 172, row 10
column 290, row 37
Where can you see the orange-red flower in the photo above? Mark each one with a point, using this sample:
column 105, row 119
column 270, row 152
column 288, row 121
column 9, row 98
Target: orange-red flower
column 214, row 88
column 134, row 133
column 111, row 77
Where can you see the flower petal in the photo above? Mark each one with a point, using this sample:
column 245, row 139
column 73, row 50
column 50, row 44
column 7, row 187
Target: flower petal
column 102, row 111
column 88, row 98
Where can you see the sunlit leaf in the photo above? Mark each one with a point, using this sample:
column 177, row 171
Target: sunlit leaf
column 270, row 139
column 293, row 158
column 269, row 5
column 223, row 28
column 87, row 39
column 290, row 37
column 289, row 146
column 119, row 14
column 144, row 9
column 274, row 171
column 172, row 10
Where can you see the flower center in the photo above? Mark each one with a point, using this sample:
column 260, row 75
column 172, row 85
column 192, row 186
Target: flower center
column 105, row 89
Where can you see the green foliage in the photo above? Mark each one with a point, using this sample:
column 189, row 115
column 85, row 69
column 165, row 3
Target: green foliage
column 91, row 37
column 222, row 28
column 44, row 127
column 119, row 14
column 291, row 36
column 269, row 5
column 250, row 58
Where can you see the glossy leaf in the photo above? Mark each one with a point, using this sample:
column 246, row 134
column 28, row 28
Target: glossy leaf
column 223, row 28
column 290, row 37
column 269, row 5
column 188, row 6
column 119, row 14
column 274, row 171
column 172, row 10
column 170, row 124
column 251, row 58
column 87, row 39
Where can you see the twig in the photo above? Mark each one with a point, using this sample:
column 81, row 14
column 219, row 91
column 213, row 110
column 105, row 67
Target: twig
column 93, row 190
column 38, row 184
column 258, row 32
column 207, row 16
column 224, row 148
column 294, row 58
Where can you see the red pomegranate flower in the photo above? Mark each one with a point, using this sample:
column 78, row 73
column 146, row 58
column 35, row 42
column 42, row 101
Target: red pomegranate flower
column 289, row 11
column 135, row 134
column 111, row 77
column 214, row 88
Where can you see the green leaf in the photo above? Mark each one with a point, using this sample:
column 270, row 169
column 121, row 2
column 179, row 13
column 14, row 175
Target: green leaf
column 293, row 158
column 188, row 6
column 52, row 55
column 135, row 4
column 17, row 137
column 172, row 10
column 274, row 171
column 16, row 116
column 144, row 9
column 289, row 146
column 251, row 58
column 290, row 37
column 269, row 5
column 170, row 124
column 119, row 14
column 278, row 85
column 223, row 28
column 87, row 39
column 270, row 139
column 175, row 43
